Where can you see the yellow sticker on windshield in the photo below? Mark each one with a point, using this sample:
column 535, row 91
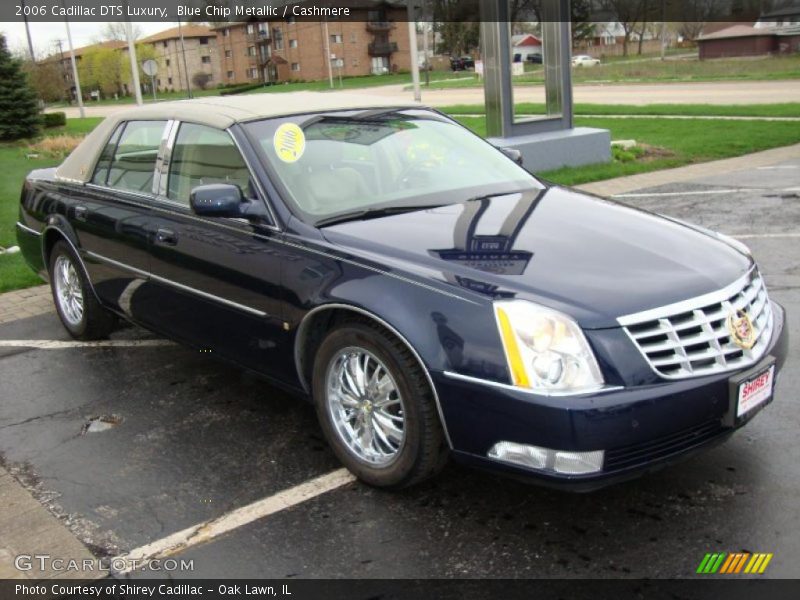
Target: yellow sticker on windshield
column 289, row 142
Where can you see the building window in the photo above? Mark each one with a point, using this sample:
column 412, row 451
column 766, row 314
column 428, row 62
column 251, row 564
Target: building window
column 225, row 33
column 277, row 36
column 353, row 38
column 230, row 74
column 295, row 66
column 292, row 43
column 169, row 80
column 252, row 73
column 205, row 59
column 203, row 41
column 250, row 28
column 251, row 51
column 227, row 53
column 338, row 63
column 336, row 38
column 167, row 62
column 164, row 43
column 355, row 62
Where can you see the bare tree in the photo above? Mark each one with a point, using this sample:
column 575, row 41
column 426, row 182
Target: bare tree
column 116, row 32
column 697, row 14
column 628, row 14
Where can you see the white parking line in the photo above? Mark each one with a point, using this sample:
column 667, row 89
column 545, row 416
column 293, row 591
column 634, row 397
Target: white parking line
column 58, row 345
column 208, row 530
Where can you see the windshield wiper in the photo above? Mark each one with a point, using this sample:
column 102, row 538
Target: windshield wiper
column 371, row 213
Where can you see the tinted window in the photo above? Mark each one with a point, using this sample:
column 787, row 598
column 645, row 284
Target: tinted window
column 203, row 155
column 135, row 156
column 100, row 176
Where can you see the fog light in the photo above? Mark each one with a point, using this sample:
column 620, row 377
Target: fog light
column 545, row 459
column 578, row 463
column 520, row 454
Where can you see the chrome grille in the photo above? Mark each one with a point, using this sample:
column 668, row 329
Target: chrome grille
column 691, row 338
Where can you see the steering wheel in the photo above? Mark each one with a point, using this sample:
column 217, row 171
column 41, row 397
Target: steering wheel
column 404, row 178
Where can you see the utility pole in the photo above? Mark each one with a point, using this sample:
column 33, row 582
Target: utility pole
column 183, row 54
column 74, row 69
column 663, row 29
column 134, row 63
column 28, row 32
column 425, row 26
column 412, row 41
column 327, row 51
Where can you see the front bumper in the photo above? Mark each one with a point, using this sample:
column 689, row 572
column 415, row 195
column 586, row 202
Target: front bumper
column 641, row 428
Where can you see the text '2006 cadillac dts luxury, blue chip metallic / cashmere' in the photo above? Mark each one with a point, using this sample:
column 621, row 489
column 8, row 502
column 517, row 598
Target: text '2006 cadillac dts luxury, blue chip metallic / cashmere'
column 427, row 293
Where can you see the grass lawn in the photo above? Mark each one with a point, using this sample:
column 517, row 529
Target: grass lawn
column 747, row 69
column 315, row 86
column 680, row 142
column 787, row 109
column 14, row 273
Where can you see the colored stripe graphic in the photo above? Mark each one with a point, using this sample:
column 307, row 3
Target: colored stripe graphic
column 712, row 562
column 734, row 563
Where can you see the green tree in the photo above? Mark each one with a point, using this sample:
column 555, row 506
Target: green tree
column 19, row 112
column 143, row 53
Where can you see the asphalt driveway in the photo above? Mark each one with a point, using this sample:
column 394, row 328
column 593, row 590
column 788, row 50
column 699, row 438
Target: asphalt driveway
column 134, row 441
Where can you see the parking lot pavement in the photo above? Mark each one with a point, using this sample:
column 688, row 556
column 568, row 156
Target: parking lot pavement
column 132, row 443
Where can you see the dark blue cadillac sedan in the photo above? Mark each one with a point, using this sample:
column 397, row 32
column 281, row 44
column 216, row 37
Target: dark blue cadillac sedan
column 428, row 294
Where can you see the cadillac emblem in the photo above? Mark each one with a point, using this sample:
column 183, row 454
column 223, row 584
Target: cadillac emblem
column 743, row 334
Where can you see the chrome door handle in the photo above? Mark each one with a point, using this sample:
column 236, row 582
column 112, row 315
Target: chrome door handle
column 166, row 236
column 81, row 213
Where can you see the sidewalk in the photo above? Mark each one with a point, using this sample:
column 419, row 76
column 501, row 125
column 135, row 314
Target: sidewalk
column 29, row 302
column 622, row 185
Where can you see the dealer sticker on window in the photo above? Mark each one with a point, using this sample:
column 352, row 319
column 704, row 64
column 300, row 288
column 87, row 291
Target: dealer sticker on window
column 755, row 391
column 289, row 142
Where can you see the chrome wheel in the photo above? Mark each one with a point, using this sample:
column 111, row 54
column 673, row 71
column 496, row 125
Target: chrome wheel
column 365, row 406
column 69, row 292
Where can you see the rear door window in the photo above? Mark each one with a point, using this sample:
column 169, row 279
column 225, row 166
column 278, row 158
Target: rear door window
column 134, row 160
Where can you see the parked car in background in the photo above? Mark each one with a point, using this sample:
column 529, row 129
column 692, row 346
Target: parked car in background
column 535, row 58
column 584, row 60
column 426, row 293
column 462, row 63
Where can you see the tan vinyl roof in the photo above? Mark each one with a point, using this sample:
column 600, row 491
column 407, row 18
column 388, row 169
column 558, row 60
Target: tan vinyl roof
column 215, row 111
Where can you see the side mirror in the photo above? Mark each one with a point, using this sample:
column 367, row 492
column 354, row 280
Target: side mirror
column 217, row 200
column 513, row 154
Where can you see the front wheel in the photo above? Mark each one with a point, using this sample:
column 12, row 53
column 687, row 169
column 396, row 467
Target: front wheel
column 375, row 407
column 77, row 307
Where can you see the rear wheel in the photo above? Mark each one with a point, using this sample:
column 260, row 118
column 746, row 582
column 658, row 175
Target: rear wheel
column 376, row 408
column 77, row 307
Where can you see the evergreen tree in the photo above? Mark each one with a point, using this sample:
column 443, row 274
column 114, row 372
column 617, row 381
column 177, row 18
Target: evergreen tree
column 19, row 112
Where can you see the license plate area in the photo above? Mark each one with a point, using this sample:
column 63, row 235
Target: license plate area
column 751, row 391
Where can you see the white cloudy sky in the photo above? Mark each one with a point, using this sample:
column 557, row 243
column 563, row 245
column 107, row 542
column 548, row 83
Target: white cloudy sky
column 44, row 35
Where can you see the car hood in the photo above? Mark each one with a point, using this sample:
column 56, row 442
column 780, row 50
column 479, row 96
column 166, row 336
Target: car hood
column 591, row 258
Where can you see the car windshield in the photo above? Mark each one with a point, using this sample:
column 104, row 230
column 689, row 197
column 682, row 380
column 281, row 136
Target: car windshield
column 342, row 163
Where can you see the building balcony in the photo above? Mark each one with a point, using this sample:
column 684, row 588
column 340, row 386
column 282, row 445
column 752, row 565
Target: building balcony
column 381, row 48
column 262, row 35
column 380, row 26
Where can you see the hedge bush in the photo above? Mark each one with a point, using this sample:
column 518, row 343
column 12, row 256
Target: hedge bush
column 55, row 119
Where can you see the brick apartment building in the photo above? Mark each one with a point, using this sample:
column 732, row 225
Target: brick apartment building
column 289, row 50
column 202, row 56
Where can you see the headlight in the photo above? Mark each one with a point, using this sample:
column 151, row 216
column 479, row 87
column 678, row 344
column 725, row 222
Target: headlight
column 546, row 350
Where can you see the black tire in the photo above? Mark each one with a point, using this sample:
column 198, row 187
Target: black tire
column 95, row 322
column 424, row 451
